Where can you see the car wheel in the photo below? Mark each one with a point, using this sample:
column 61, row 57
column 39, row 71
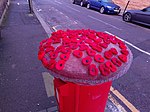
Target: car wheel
column 88, row 6
column 73, row 2
column 127, row 17
column 81, row 3
column 102, row 10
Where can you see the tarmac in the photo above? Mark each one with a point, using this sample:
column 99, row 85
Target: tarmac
column 21, row 81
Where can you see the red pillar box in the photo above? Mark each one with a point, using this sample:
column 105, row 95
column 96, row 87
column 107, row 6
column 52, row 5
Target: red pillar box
column 84, row 64
column 72, row 97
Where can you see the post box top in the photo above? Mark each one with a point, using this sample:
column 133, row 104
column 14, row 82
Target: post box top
column 85, row 56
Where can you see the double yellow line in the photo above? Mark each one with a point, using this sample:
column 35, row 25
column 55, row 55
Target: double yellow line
column 123, row 99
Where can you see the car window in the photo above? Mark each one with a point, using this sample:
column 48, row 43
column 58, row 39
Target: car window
column 148, row 9
column 107, row 1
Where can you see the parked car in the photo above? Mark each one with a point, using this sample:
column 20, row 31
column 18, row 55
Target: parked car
column 104, row 6
column 139, row 16
column 81, row 2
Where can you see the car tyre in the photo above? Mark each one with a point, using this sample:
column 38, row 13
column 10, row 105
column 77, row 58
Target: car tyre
column 73, row 2
column 102, row 10
column 81, row 3
column 127, row 17
column 88, row 6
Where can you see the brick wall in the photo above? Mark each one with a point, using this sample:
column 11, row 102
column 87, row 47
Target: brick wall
column 134, row 4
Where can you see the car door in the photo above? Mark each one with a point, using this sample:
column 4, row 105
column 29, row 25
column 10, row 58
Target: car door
column 143, row 15
column 98, row 4
column 95, row 3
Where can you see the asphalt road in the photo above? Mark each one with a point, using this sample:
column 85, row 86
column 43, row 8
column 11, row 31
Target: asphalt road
column 134, row 85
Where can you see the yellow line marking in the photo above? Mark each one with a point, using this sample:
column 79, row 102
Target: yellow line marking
column 115, row 102
column 124, row 100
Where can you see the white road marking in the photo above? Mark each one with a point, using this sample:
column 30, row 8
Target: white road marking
column 54, row 28
column 60, row 12
column 58, row 2
column 104, row 22
column 139, row 49
column 48, row 81
column 73, row 9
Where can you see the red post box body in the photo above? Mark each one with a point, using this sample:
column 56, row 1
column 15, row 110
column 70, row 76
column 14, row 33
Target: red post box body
column 72, row 97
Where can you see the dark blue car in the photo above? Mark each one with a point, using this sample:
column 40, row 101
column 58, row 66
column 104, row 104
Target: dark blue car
column 104, row 6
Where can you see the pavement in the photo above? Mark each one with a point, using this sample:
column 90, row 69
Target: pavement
column 22, row 76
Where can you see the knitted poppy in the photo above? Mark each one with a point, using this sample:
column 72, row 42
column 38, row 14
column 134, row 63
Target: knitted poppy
column 104, row 45
column 104, row 70
column 99, row 58
column 88, row 41
column 116, row 62
column 122, row 46
column 98, row 40
column 83, row 47
column 93, row 70
column 113, row 40
column 90, row 52
column 111, row 66
column 45, row 62
column 53, row 55
column 51, row 64
column 56, row 41
column 50, row 48
column 66, row 50
column 106, row 40
column 60, row 64
column 77, row 53
column 41, row 54
column 123, row 58
column 59, row 48
column 124, row 51
column 64, row 56
column 98, row 48
column 87, row 60
column 114, row 51
column 108, row 54
column 73, row 46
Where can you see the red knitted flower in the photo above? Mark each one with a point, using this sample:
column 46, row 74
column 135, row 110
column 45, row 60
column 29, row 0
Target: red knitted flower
column 77, row 53
column 60, row 64
column 83, row 47
column 114, row 51
column 93, row 71
column 53, row 55
column 98, row 58
column 51, row 64
column 123, row 58
column 104, row 45
column 87, row 60
column 66, row 50
column 104, row 70
column 108, row 54
column 41, row 54
column 50, row 48
column 111, row 66
column 116, row 62
column 64, row 56
column 73, row 46
column 90, row 52
column 45, row 62
column 89, row 41
column 122, row 46
column 124, row 51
